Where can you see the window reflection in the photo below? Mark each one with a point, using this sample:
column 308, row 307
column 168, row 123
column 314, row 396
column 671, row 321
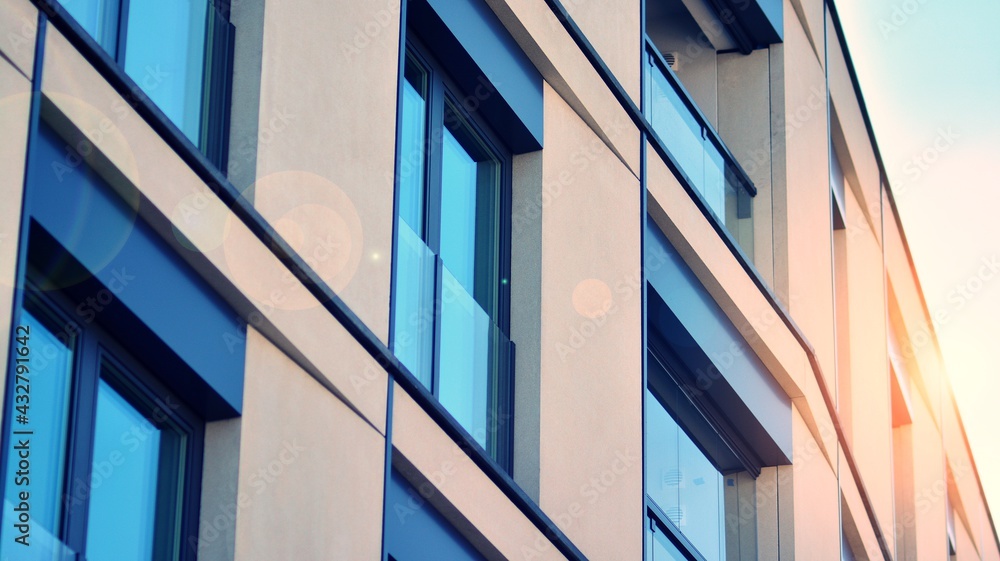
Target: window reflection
column 99, row 18
column 169, row 67
column 136, row 473
column 51, row 345
column 715, row 512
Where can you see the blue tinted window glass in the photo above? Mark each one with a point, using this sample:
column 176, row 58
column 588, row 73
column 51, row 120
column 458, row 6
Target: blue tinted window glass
column 50, row 365
column 682, row 481
column 413, row 329
column 134, row 477
column 470, row 176
column 413, row 166
column 458, row 210
column 99, row 18
column 165, row 55
column 466, row 359
column 661, row 548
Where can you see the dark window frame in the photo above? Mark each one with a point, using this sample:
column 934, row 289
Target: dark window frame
column 217, row 67
column 442, row 91
column 93, row 348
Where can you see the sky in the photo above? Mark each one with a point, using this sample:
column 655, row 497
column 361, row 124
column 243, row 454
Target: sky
column 929, row 71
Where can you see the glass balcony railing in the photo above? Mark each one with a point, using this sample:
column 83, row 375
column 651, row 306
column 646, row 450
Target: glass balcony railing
column 449, row 342
column 699, row 152
column 475, row 359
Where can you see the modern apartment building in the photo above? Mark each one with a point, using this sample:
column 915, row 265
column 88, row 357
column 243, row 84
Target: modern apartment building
column 460, row 280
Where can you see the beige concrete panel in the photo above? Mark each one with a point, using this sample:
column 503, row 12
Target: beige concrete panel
column 527, row 205
column 779, row 174
column 860, row 178
column 854, row 517
column 613, row 27
column 917, row 352
column 786, row 512
column 858, row 160
column 565, row 68
column 311, row 471
column 15, row 109
column 965, row 486
column 467, row 497
column 966, row 547
column 330, row 68
column 713, row 263
column 591, row 384
column 179, row 206
column 902, row 462
column 19, row 28
column 816, row 499
column 810, row 14
column 914, row 327
column 767, row 514
column 246, row 130
column 819, row 421
column 745, row 127
column 870, row 399
column 930, row 486
column 220, row 491
column 807, row 226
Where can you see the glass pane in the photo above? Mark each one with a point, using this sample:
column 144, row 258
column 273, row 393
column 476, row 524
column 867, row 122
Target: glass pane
column 169, row 66
column 699, row 158
column 99, row 18
column 135, row 476
column 50, row 364
column 676, row 127
column 714, row 186
column 662, row 549
column 413, row 329
column 739, row 212
column 466, row 361
column 701, row 501
column 413, row 148
column 663, row 475
column 470, row 195
column 683, row 482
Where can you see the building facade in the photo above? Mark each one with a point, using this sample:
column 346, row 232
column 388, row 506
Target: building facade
column 460, row 280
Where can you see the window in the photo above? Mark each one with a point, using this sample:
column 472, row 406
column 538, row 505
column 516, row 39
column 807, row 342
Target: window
column 451, row 293
column 691, row 504
column 185, row 72
column 111, row 460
